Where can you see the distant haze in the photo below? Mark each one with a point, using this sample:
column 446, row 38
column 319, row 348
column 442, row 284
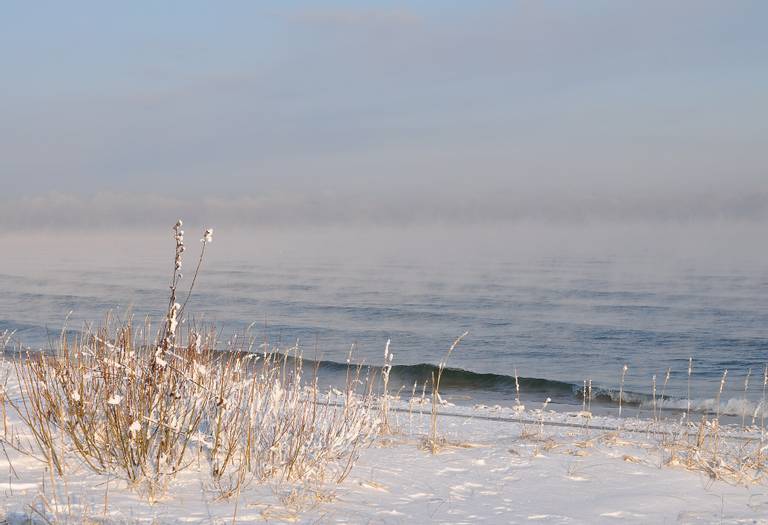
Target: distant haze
column 436, row 115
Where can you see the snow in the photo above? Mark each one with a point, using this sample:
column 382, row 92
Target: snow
column 500, row 465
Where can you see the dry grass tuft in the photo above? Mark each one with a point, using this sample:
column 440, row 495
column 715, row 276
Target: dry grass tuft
column 144, row 409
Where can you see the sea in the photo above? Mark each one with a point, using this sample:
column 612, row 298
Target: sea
column 553, row 324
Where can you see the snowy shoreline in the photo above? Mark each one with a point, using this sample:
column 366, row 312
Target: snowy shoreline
column 498, row 465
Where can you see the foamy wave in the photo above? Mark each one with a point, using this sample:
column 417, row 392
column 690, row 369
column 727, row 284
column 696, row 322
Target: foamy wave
column 735, row 406
column 729, row 407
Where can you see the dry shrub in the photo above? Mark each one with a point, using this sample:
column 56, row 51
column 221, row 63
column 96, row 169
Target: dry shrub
column 146, row 408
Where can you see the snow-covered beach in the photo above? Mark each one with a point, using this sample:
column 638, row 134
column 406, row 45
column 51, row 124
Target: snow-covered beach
column 497, row 465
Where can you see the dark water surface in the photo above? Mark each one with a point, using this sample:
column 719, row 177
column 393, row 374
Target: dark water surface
column 556, row 320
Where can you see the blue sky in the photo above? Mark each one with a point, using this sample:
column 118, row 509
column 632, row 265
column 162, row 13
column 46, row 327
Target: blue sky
column 515, row 109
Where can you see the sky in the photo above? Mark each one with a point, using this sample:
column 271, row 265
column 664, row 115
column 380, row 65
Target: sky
column 305, row 114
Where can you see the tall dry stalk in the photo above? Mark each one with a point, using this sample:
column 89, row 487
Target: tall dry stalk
column 433, row 442
column 762, row 401
column 664, row 391
column 541, row 416
column 3, row 410
column 385, row 371
column 621, row 386
column 744, row 400
column 688, row 403
column 716, row 422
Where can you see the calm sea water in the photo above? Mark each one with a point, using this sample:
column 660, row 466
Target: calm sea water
column 559, row 319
